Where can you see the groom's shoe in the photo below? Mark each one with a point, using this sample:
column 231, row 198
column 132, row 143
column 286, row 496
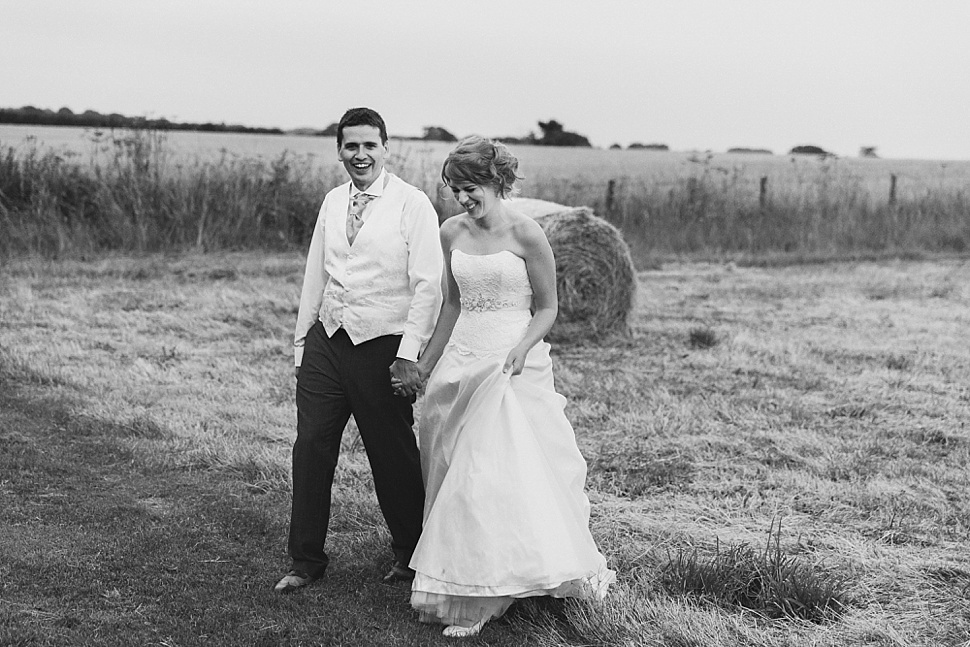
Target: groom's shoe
column 292, row 581
column 398, row 573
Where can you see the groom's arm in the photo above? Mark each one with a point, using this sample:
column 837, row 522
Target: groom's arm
column 315, row 279
column 420, row 222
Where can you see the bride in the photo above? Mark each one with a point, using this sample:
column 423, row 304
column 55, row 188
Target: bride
column 505, row 513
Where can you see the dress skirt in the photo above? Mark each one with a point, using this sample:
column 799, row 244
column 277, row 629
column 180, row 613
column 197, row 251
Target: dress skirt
column 505, row 515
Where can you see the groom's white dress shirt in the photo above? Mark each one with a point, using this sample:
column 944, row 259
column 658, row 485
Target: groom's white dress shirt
column 388, row 282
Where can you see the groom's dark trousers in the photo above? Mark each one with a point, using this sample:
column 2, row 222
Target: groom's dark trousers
column 336, row 379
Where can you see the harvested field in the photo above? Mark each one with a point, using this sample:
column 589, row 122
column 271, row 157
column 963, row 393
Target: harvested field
column 146, row 417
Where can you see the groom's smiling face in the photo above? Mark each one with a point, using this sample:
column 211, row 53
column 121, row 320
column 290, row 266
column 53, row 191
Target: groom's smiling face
column 362, row 153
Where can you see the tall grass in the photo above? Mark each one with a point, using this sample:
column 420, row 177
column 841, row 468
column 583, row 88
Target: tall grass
column 824, row 210
column 132, row 194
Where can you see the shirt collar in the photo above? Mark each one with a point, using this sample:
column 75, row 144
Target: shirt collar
column 376, row 188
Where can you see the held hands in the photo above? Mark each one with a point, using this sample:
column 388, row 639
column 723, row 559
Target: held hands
column 424, row 372
column 515, row 362
column 406, row 379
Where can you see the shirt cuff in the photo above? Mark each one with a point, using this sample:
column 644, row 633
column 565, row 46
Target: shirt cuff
column 409, row 349
column 298, row 352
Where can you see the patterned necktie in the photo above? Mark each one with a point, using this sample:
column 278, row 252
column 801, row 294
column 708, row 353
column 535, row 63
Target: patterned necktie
column 354, row 220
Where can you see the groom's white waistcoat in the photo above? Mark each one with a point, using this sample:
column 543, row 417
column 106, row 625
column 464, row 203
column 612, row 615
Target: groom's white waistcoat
column 387, row 282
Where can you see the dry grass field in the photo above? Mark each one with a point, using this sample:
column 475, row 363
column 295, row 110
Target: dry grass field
column 146, row 417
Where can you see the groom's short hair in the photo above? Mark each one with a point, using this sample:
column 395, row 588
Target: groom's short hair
column 361, row 117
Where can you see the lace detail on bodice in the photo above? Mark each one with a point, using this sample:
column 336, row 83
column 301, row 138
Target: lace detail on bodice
column 497, row 281
column 483, row 303
column 496, row 295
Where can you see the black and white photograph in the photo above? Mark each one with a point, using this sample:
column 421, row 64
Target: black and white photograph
column 535, row 323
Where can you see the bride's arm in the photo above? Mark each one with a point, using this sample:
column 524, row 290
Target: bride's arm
column 450, row 306
column 541, row 266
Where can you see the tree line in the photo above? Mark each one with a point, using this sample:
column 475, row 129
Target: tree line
column 29, row 115
column 552, row 132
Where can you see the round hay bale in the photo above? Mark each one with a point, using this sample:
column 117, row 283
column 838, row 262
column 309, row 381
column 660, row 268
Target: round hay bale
column 535, row 208
column 595, row 276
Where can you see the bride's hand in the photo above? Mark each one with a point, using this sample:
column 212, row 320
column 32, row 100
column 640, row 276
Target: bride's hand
column 424, row 372
column 515, row 362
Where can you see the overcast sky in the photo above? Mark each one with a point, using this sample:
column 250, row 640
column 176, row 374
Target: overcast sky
column 693, row 74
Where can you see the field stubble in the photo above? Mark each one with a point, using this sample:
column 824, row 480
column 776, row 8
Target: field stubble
column 829, row 400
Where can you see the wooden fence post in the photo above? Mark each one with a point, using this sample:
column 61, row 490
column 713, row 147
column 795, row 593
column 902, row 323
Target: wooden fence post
column 610, row 190
column 892, row 189
column 763, row 195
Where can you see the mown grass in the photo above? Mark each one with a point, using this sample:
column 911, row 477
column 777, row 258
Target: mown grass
column 146, row 414
column 134, row 192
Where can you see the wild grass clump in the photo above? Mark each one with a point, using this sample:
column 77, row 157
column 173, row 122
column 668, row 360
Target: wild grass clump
column 766, row 581
column 897, row 362
column 131, row 195
column 702, row 337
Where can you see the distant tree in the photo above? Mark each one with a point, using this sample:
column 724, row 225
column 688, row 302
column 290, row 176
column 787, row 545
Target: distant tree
column 868, row 151
column 741, row 149
column 553, row 134
column 528, row 140
column 63, row 117
column 809, row 150
column 615, row 147
column 438, row 134
column 550, row 128
column 652, row 147
column 329, row 131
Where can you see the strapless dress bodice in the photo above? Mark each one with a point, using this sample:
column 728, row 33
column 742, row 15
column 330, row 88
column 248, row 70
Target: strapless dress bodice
column 496, row 297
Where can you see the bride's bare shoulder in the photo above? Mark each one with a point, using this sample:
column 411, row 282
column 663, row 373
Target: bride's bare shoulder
column 454, row 225
column 525, row 230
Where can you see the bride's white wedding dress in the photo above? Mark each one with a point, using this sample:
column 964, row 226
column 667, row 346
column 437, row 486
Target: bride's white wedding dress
column 505, row 512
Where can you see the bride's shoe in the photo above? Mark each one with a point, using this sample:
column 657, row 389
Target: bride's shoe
column 455, row 631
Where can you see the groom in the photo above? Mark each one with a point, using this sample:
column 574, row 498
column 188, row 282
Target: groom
column 370, row 298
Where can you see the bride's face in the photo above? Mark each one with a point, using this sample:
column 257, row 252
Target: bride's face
column 477, row 200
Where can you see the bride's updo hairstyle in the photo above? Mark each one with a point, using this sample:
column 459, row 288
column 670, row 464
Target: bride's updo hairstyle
column 483, row 162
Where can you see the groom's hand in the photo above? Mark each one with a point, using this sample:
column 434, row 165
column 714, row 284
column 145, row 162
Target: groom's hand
column 405, row 378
